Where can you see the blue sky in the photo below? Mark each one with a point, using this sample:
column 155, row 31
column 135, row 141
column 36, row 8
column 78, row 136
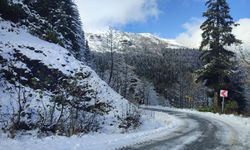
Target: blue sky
column 173, row 19
column 174, row 13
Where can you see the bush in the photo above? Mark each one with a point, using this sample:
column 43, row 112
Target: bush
column 206, row 109
column 231, row 107
column 53, row 36
column 73, row 109
column 130, row 121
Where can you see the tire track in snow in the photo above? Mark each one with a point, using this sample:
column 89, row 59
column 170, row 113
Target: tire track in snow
column 206, row 134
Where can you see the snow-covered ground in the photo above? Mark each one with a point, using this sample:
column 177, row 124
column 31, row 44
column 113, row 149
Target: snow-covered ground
column 155, row 125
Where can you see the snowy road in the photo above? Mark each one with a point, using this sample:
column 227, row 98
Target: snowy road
column 198, row 133
column 163, row 128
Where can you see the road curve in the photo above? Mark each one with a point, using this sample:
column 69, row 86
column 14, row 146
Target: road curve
column 198, row 133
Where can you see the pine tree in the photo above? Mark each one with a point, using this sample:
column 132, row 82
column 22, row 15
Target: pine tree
column 87, row 54
column 11, row 11
column 64, row 24
column 218, row 62
column 71, row 26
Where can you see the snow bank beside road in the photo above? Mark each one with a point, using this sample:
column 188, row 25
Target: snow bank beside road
column 231, row 119
column 241, row 125
column 155, row 125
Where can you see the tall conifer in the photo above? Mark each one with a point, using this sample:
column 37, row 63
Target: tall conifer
column 218, row 62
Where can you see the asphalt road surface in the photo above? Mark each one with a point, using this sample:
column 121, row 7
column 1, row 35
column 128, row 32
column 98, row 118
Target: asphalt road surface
column 197, row 133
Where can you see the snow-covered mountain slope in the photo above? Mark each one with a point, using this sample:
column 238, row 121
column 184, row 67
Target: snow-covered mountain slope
column 135, row 41
column 37, row 66
column 170, row 43
column 148, row 56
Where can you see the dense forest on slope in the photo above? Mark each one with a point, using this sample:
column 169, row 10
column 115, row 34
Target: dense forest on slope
column 143, row 59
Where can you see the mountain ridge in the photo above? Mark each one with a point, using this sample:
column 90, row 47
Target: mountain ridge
column 97, row 40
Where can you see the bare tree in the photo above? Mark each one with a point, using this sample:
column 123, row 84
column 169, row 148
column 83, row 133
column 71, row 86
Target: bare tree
column 111, row 45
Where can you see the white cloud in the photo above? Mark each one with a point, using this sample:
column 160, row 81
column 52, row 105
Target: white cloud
column 97, row 15
column 192, row 36
column 242, row 32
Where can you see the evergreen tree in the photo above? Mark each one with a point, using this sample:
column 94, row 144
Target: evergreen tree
column 63, row 24
column 68, row 23
column 56, row 21
column 218, row 62
column 87, row 53
column 11, row 11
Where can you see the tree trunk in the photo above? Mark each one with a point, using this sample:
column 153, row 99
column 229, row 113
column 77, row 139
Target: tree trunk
column 216, row 101
column 111, row 38
column 111, row 69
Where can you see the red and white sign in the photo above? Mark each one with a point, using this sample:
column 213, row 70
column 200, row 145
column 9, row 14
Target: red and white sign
column 223, row 93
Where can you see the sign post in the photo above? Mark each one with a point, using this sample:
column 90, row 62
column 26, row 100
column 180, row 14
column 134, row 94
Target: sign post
column 223, row 104
column 223, row 94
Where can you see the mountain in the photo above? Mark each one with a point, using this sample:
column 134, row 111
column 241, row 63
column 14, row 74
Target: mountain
column 145, row 62
column 138, row 41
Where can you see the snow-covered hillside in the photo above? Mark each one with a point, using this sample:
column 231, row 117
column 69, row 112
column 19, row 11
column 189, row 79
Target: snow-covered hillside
column 22, row 54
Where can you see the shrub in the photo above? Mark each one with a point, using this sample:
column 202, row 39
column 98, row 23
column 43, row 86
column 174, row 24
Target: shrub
column 52, row 36
column 130, row 121
column 206, row 109
column 231, row 107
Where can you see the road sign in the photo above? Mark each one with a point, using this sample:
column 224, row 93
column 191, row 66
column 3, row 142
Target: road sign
column 223, row 93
